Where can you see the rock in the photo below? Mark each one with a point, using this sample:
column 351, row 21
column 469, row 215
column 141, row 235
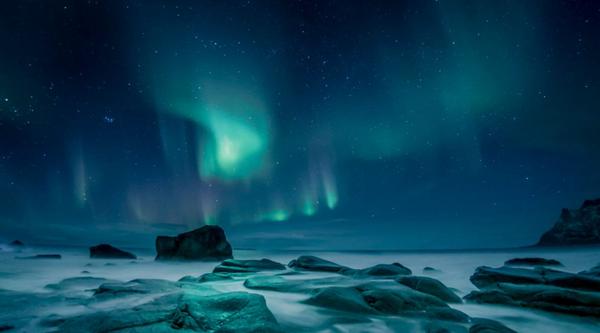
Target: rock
column 381, row 270
column 481, row 325
column 85, row 282
column 42, row 256
column 137, row 286
column 16, row 243
column 278, row 283
column 594, row 271
column 371, row 299
column 107, row 251
column 4, row 328
column 206, row 243
column 85, row 272
column 207, row 277
column 247, row 266
column 575, row 226
column 487, row 277
column 187, row 312
column 428, row 269
column 532, row 262
column 430, row 286
column 544, row 297
column 315, row 264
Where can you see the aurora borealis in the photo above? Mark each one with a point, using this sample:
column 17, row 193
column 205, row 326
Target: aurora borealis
column 292, row 124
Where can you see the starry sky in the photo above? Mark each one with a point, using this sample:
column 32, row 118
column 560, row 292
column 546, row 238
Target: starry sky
column 297, row 124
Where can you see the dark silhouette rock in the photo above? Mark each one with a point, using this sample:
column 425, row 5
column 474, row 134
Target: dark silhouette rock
column 430, row 286
column 315, row 264
column 17, row 243
column 206, row 243
column 207, row 277
column 42, row 256
column 575, row 226
column 428, row 270
column 4, row 328
column 381, row 271
column 107, row 251
column 247, row 266
column 544, row 297
column 534, row 261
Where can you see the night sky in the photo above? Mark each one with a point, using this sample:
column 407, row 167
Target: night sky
column 297, row 124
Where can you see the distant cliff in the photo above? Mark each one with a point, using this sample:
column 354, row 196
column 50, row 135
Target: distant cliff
column 575, row 226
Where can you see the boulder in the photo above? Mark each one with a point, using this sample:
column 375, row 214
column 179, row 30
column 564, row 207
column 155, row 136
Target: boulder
column 84, row 282
column 16, row 243
column 533, row 261
column 42, row 256
column 380, row 271
column 428, row 270
column 488, row 277
column 247, row 266
column 137, row 286
column 107, row 251
column 575, row 226
column 372, row 299
column 206, row 243
column 430, row 286
column 544, row 297
column 280, row 284
column 315, row 264
column 187, row 312
column 206, row 277
column 481, row 325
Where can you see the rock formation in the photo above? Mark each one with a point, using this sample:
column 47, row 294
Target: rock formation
column 106, row 251
column 206, row 243
column 575, row 226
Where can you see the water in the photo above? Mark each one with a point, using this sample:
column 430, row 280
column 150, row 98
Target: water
column 454, row 271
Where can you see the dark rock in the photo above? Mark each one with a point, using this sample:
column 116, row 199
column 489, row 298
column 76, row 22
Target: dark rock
column 430, row 286
column 488, row 277
column 16, row 243
column 381, row 270
column 532, row 262
column 481, row 325
column 247, row 266
column 594, row 271
column 206, row 243
column 42, row 256
column 85, row 282
column 575, row 226
column 544, row 297
column 369, row 298
column 207, row 277
column 315, row 264
column 137, row 286
column 107, row 251
column 85, row 272
column 428, row 269
column 187, row 312
column 4, row 328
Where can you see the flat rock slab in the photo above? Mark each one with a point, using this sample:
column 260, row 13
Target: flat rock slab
column 226, row 312
column 248, row 266
column 315, row 264
column 532, row 261
column 430, row 286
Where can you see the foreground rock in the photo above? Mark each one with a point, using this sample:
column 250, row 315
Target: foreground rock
column 206, row 277
column 594, row 271
column 575, row 226
column 372, row 299
column 544, row 297
column 42, row 256
column 107, row 251
column 248, row 266
column 228, row 312
column 430, row 286
column 137, row 286
column 315, row 264
column 206, row 243
column 540, row 288
column 280, row 284
column 532, row 262
column 85, row 282
column 481, row 325
column 488, row 277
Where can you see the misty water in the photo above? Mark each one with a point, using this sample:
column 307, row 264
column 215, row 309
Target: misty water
column 32, row 276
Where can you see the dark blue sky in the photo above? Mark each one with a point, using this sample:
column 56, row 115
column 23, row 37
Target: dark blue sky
column 297, row 124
